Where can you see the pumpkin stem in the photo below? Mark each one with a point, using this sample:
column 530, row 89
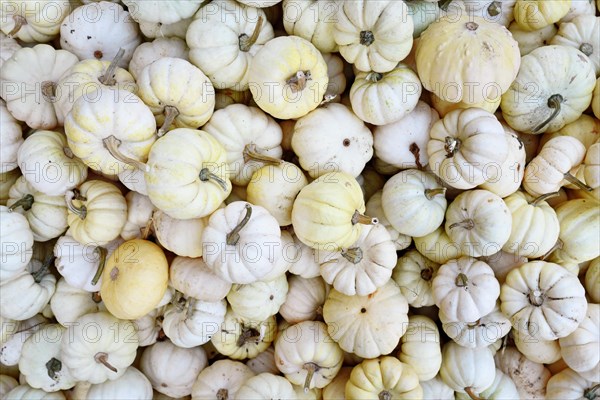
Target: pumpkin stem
column 111, row 144
column 49, row 90
column 245, row 41
column 249, row 335
column 310, row 368
column 206, row 175
column 554, row 102
column 26, row 202
column 416, row 152
column 587, row 49
column 384, row 395
column 161, row 336
column 574, row 181
column 467, row 224
column 374, row 77
column 452, row 146
column 81, row 212
column 251, row 153
column 359, row 218
column 102, row 253
column 592, row 393
column 234, row 236
column 495, row 8
column 81, row 390
column 328, row 98
column 427, row 274
column 558, row 245
column 68, row 152
column 222, row 394
column 461, row 280
column 354, row 255
column 430, row 193
column 108, row 77
column 543, row 197
column 536, row 297
column 145, row 231
column 170, row 114
column 298, row 81
column 39, row 274
column 96, row 298
column 102, row 358
column 472, row 394
column 366, row 38
column 19, row 22
column 443, row 4
column 472, row 26
column 474, row 324
column 53, row 367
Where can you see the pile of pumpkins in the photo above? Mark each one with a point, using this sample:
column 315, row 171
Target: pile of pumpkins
column 300, row 199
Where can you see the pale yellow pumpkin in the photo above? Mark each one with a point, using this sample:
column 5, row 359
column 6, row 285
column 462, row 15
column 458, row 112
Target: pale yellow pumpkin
column 579, row 226
column 134, row 279
column 531, row 40
column 537, row 14
column 383, row 378
column 596, row 99
column 445, row 59
column 583, row 33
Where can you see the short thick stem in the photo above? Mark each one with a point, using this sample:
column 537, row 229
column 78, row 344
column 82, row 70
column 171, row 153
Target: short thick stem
column 472, row 394
column 205, row 176
column 472, row 26
column 234, row 236
column 170, row 114
column 367, row 38
column 96, row 298
column 102, row 358
column 443, row 4
column 358, row 218
column 298, row 81
column 452, row 146
column 461, row 280
column 25, row 202
column 427, row 274
column 248, row 335
column 466, row 224
column 587, row 49
column 592, row 393
column 554, row 102
column 102, row 253
column 111, row 144
column 49, row 91
column 374, row 77
column 245, row 41
column 574, row 181
column 222, row 394
column 81, row 211
column 19, row 22
column 53, row 367
column 384, row 395
column 354, row 255
column 108, row 77
column 431, row 193
column 43, row 271
column 310, row 368
column 535, row 202
column 495, row 8
column 536, row 297
column 251, row 153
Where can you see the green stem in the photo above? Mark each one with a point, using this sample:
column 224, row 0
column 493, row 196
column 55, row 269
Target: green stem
column 170, row 114
column 26, row 202
column 554, row 102
column 205, row 175
column 354, row 255
column 108, row 78
column 574, row 181
column 111, row 144
column 430, row 193
column 40, row 273
column 102, row 253
column 310, row 368
column 81, row 212
column 543, row 197
column 234, row 236
column 461, row 280
column 245, row 41
column 251, row 153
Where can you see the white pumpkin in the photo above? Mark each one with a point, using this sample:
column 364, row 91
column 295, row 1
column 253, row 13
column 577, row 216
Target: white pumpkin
column 465, row 289
column 258, row 300
column 172, row 370
column 249, row 136
column 12, row 139
column 139, row 214
column 403, row 143
column 304, row 259
column 531, row 40
column 414, row 202
column 221, row 380
column 107, row 356
column 18, row 332
column 438, row 247
column 149, row 327
column 240, row 242
column 16, row 243
column 26, row 392
column 578, row 348
column 68, row 303
column 7, row 383
column 27, row 293
column 436, row 389
column 529, row 377
column 8, row 46
column 313, row 21
column 420, row 347
column 266, row 386
column 363, row 267
column 193, row 278
column 304, row 300
column 148, row 52
column 131, row 385
column 373, row 36
column 467, row 370
column 177, row 92
column 237, row 33
column 347, row 146
column 533, row 297
column 29, row 81
column 535, row 349
column 502, row 388
column 382, row 99
column 189, row 322
column 181, row 236
column 263, row 362
column 375, row 209
column 583, row 33
column 7, row 179
column 568, row 384
column 112, row 29
column 307, row 356
column 37, row 22
column 592, row 280
column 354, row 321
column 165, row 13
column 41, row 363
column 48, row 163
column 414, row 275
column 481, row 333
column 153, row 30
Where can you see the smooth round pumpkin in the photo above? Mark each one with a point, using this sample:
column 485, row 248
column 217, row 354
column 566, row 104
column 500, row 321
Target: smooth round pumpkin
column 222, row 378
column 446, row 65
column 467, row 370
column 134, row 279
column 16, row 239
column 420, row 347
